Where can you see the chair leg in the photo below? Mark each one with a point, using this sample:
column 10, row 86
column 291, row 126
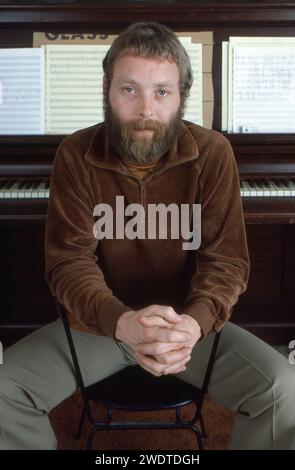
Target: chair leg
column 90, row 439
column 79, row 432
column 203, row 429
column 198, row 436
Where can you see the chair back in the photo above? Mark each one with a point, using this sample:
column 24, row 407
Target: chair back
column 209, row 368
column 64, row 317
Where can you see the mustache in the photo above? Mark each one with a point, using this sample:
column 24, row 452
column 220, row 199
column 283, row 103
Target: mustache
column 143, row 124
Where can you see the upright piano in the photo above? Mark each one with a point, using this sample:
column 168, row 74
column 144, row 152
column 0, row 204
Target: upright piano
column 266, row 164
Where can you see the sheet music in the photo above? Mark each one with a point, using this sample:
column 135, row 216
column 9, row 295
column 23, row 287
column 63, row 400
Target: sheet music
column 74, row 80
column 258, row 84
column 263, row 89
column 21, row 91
column 194, row 104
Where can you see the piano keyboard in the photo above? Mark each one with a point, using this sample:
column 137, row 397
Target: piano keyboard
column 28, row 189
column 268, row 188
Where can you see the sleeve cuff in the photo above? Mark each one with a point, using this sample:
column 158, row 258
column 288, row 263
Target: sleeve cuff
column 110, row 312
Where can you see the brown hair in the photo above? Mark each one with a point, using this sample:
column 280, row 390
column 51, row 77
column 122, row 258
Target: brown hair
column 150, row 40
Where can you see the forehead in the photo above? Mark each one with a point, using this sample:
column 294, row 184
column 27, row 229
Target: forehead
column 146, row 70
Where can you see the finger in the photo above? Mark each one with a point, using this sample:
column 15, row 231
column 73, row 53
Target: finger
column 167, row 335
column 157, row 348
column 143, row 365
column 154, row 320
column 174, row 356
column 150, row 364
column 151, row 371
column 163, row 311
column 177, row 367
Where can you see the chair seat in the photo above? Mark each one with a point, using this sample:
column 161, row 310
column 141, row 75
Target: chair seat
column 141, row 391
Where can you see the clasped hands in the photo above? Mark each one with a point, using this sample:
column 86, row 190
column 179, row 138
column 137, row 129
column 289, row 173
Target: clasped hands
column 161, row 340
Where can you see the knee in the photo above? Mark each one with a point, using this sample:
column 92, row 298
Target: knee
column 12, row 391
column 284, row 382
column 7, row 387
column 3, row 380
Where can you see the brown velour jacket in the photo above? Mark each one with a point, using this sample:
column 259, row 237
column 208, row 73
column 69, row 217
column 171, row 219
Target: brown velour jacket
column 98, row 280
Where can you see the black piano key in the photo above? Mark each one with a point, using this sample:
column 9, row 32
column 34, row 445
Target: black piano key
column 260, row 184
column 283, row 184
column 268, row 184
column 28, row 184
column 20, row 185
column 35, row 184
column 8, row 184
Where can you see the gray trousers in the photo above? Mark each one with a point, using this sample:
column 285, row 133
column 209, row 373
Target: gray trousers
column 249, row 376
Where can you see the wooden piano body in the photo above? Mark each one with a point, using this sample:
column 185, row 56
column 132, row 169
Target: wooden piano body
column 266, row 164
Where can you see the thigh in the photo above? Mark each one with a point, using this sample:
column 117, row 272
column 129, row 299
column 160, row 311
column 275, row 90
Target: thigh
column 40, row 365
column 244, row 366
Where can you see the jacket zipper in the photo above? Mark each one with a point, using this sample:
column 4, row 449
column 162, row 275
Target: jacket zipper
column 143, row 195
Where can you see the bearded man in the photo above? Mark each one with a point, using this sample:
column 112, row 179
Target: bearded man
column 140, row 300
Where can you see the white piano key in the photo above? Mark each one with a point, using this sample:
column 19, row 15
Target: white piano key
column 36, row 191
column 284, row 186
column 273, row 191
column 291, row 186
column 247, row 189
column 42, row 190
column 28, row 193
column 279, row 189
column 253, row 190
column 7, row 190
column 264, row 190
column 13, row 191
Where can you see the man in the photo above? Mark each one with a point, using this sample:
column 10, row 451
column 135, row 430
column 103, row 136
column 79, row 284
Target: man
column 134, row 298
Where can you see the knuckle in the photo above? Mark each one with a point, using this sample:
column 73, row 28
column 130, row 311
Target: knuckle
column 159, row 369
column 155, row 307
column 164, row 358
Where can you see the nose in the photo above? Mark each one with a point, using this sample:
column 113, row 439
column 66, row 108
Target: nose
column 145, row 106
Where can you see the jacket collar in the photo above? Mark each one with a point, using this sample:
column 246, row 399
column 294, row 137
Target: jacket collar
column 102, row 155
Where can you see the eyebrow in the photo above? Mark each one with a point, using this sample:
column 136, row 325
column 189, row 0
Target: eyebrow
column 155, row 84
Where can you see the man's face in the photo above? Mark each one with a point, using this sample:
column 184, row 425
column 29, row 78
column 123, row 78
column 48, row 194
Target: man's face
column 143, row 107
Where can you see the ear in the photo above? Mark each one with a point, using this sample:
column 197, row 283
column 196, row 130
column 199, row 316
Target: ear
column 105, row 84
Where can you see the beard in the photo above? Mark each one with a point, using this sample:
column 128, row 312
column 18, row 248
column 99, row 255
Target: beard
column 138, row 148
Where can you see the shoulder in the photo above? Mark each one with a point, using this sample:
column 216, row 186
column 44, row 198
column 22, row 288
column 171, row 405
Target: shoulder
column 80, row 140
column 212, row 145
column 216, row 159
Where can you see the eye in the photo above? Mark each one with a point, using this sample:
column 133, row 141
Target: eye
column 129, row 90
column 163, row 92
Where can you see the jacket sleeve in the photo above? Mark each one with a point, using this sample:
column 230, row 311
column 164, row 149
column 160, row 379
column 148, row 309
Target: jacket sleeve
column 222, row 261
column 71, row 268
